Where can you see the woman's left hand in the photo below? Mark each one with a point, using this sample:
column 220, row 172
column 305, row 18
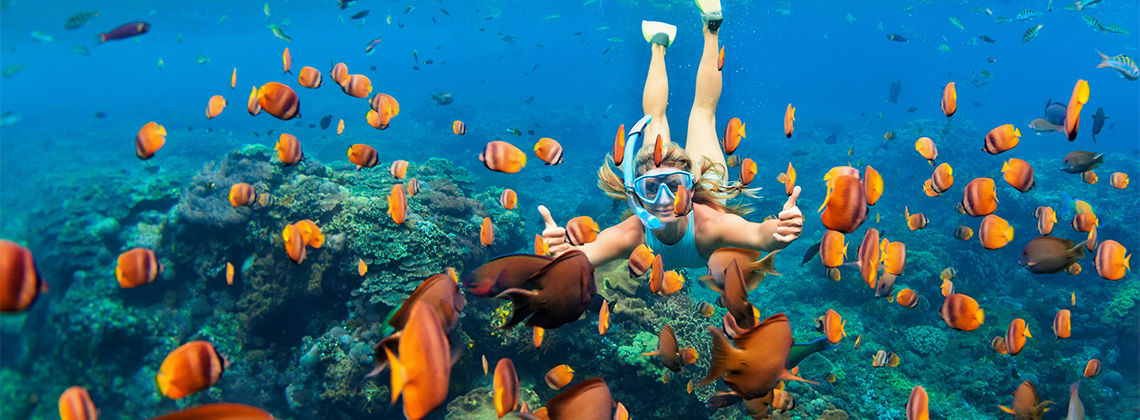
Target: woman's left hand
column 790, row 222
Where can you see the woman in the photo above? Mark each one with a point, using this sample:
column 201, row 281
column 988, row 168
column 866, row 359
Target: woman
column 687, row 240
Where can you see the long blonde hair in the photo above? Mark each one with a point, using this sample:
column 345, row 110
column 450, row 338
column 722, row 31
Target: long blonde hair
column 710, row 184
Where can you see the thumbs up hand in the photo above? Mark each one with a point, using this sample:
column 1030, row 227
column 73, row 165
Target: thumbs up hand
column 790, row 222
column 552, row 235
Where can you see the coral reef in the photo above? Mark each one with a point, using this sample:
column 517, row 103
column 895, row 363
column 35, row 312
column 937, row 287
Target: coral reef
column 925, row 339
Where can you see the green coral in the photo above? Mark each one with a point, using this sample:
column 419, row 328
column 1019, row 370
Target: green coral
column 631, row 354
column 926, row 339
column 1120, row 308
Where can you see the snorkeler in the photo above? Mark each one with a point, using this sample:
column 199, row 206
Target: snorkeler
column 689, row 239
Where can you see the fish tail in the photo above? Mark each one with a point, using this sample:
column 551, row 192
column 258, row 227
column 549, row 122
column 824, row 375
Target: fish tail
column 521, row 298
column 398, row 375
column 163, row 383
column 768, row 264
column 1127, row 264
column 719, row 358
column 981, row 314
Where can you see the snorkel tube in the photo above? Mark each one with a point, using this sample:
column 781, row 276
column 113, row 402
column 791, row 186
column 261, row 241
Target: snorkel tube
column 636, row 132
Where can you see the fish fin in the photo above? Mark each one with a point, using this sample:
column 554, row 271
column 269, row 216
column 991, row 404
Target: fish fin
column 767, row 265
column 1078, row 250
column 711, row 283
column 398, row 373
column 811, row 253
column 981, row 314
column 721, row 399
column 906, row 211
column 742, row 133
column 1004, row 166
column 719, row 357
column 521, row 299
column 1005, row 409
column 1128, row 265
column 163, row 383
column 789, row 376
column 652, row 353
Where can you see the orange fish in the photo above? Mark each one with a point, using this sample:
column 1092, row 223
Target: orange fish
column 873, row 183
column 1084, row 222
column 150, row 138
column 1090, row 243
column 845, row 206
column 1062, row 324
column 1019, row 174
column 869, row 255
column 947, row 287
column 682, row 202
column 397, row 204
column 310, row 233
column 885, row 358
column 242, row 194
column 747, row 171
column 294, row 243
column 386, row 108
column 399, row 169
column 658, row 150
column 233, row 79
column 218, row 411
column 894, row 257
column 672, row 283
column 309, row 77
column 536, row 337
column 1016, row 335
column 907, row 298
column 656, row 274
column 340, row 126
column 964, row 233
column 422, row 369
column 1002, row 138
column 357, row 85
column 733, row 132
column 603, row 318
column 640, row 260
column 540, row 247
column 501, row 156
column 487, row 232
column 831, row 324
column 413, row 187
column 286, row 60
column 915, row 221
column 1089, row 177
column 1025, row 403
column 229, row 273
column 1112, row 260
column 1046, row 218
column 789, row 120
column 1073, row 111
column 788, row 178
column 918, row 405
column 458, row 127
column 672, row 356
column 925, row 147
column 618, row 153
column 363, row 156
column 278, row 100
column 1119, row 180
column 253, row 106
column 376, row 120
column 706, row 309
column 961, row 312
column 137, row 267
column 949, row 99
column 549, row 150
column 998, row 344
column 1092, row 368
column 720, row 59
column 928, row 189
column 76, row 404
column 288, row 149
column 995, row 232
column 942, row 178
column 858, row 340
column 979, row 198
column 361, row 267
column 215, row 106
column 581, row 230
column 559, row 376
column 506, row 386
column 339, row 74
column 832, row 249
column 190, row 368
column 508, row 199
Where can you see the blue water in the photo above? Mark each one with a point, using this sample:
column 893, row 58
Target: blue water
column 584, row 66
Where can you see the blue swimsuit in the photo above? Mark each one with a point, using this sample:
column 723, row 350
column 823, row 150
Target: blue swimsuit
column 681, row 254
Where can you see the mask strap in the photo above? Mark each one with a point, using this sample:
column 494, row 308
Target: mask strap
column 635, row 133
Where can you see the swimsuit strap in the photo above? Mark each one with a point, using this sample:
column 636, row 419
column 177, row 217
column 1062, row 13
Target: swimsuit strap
column 681, row 254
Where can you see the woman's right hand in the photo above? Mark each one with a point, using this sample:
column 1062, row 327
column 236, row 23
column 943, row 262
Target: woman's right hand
column 552, row 235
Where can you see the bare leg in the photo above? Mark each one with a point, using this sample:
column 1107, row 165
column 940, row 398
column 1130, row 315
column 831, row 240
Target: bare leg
column 702, row 140
column 656, row 95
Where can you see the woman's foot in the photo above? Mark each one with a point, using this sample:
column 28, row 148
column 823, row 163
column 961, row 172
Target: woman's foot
column 659, row 33
column 710, row 14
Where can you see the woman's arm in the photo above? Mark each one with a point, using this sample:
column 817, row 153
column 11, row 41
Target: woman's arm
column 616, row 241
column 768, row 236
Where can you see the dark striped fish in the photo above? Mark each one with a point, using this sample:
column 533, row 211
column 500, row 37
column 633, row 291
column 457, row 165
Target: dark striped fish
column 1031, row 33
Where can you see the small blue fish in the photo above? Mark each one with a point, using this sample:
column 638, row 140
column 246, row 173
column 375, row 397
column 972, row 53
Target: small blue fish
column 1027, row 15
column 1122, row 64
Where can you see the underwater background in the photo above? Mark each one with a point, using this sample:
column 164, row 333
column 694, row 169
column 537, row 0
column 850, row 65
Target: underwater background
column 299, row 337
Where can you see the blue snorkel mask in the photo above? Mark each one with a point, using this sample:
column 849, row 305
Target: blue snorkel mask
column 649, row 188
